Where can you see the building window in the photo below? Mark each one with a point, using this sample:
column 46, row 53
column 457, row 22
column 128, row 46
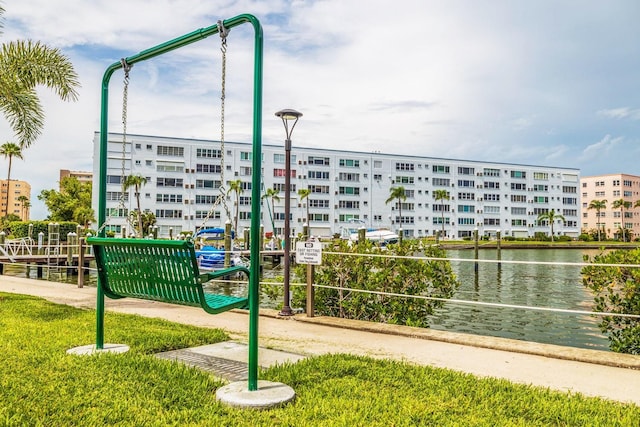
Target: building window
column 441, row 182
column 169, row 198
column 323, row 175
column 169, row 182
column 208, row 183
column 283, row 172
column 205, row 168
column 319, row 161
column 440, row 169
column 163, row 150
column 208, row 153
column 350, row 190
column 405, row 166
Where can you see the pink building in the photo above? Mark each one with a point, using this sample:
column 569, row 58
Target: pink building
column 609, row 189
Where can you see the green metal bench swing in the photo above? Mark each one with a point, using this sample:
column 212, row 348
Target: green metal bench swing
column 167, row 270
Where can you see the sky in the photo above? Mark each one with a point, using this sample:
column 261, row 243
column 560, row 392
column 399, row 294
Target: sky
column 552, row 83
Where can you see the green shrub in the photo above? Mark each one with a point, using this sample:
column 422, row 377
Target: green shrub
column 617, row 290
column 19, row 229
column 585, row 237
column 382, row 273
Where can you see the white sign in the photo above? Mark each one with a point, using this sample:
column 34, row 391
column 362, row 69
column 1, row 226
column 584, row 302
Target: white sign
column 309, row 253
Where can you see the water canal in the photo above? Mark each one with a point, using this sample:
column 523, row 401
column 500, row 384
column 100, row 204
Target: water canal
column 537, row 285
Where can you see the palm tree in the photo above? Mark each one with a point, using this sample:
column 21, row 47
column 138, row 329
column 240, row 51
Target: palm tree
column 272, row 194
column 551, row 217
column 622, row 204
column 236, row 186
column 25, row 65
column 397, row 193
column 441, row 195
column 304, row 194
column 10, row 150
column 598, row 205
column 24, row 200
column 137, row 182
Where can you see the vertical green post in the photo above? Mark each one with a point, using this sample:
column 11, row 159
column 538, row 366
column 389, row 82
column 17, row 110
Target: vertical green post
column 254, row 279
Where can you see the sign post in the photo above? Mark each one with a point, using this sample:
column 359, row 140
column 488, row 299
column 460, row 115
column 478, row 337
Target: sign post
column 310, row 253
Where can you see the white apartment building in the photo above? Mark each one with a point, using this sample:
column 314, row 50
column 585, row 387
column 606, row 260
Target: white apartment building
column 184, row 177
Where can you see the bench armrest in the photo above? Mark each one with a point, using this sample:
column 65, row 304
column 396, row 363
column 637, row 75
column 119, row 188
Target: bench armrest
column 205, row 277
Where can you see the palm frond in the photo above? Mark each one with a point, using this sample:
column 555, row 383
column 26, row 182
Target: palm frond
column 33, row 63
column 24, row 114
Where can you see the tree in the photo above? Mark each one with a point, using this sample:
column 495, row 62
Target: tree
column 598, row 205
column 397, row 193
column 396, row 273
column 137, row 182
column 24, row 65
column 236, row 186
column 148, row 220
column 616, row 289
column 622, row 204
column 10, row 150
column 272, row 195
column 24, row 203
column 439, row 195
column 550, row 217
column 304, row 194
column 83, row 216
column 73, row 195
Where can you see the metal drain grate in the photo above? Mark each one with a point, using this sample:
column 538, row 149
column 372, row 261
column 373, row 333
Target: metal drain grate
column 230, row 370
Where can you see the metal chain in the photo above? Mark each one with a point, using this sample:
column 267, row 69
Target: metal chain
column 222, row 198
column 125, row 100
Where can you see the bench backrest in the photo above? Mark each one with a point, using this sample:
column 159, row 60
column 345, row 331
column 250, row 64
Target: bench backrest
column 160, row 270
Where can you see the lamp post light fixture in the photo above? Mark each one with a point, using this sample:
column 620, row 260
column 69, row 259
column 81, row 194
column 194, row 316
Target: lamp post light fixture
column 288, row 116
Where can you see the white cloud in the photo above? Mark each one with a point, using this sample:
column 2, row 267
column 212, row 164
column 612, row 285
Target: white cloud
column 600, row 149
column 621, row 113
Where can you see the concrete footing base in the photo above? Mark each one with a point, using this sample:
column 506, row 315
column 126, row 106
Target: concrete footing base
column 91, row 349
column 268, row 395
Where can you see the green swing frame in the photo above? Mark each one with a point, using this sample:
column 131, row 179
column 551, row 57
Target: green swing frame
column 254, row 271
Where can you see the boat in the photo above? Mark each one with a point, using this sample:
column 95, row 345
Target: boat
column 210, row 249
column 382, row 236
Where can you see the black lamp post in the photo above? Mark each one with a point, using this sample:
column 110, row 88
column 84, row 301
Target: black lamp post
column 287, row 116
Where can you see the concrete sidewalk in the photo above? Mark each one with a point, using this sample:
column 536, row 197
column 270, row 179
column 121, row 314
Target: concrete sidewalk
column 589, row 372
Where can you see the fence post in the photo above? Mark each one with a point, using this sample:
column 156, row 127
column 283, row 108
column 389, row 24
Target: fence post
column 247, row 236
column 310, row 291
column 40, row 242
column 81, row 262
column 227, row 244
column 475, row 249
column 499, row 249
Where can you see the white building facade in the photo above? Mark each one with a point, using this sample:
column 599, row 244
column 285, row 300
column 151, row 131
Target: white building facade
column 346, row 187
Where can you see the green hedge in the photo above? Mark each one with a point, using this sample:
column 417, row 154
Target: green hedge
column 19, row 229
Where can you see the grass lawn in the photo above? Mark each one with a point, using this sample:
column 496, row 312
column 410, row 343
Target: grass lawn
column 41, row 385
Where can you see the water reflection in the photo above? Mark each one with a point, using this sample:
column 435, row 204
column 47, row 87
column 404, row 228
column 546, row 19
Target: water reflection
column 537, row 285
